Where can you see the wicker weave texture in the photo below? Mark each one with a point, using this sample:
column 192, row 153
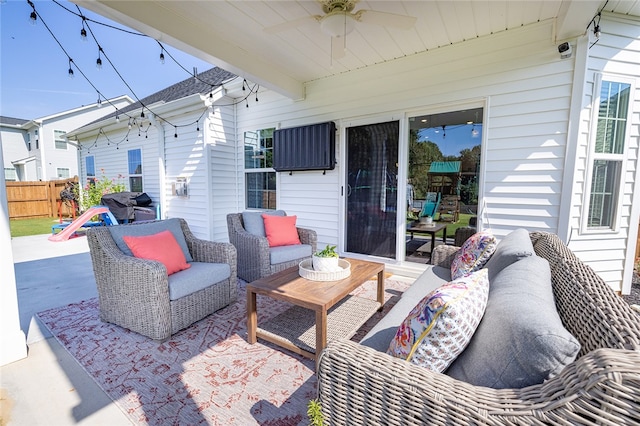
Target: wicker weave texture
column 253, row 251
column 360, row 386
column 134, row 293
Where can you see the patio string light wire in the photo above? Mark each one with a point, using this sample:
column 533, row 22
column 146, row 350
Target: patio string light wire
column 35, row 15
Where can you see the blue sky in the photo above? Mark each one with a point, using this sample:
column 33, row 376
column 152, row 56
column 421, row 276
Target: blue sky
column 34, row 79
column 456, row 137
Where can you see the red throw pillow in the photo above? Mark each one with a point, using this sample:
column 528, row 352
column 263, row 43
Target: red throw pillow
column 162, row 247
column 281, row 230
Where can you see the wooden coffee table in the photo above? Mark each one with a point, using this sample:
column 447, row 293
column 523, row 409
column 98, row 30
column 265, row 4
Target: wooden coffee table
column 322, row 310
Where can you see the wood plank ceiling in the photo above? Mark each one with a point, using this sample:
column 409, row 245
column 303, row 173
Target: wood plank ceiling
column 231, row 33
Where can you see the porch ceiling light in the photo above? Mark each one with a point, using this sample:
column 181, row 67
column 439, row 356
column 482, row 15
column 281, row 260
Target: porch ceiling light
column 338, row 23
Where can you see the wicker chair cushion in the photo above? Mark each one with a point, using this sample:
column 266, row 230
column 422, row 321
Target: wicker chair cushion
column 200, row 276
column 162, row 247
column 150, row 228
column 288, row 253
column 513, row 247
column 380, row 336
column 253, row 222
column 473, row 254
column 281, row 230
column 441, row 325
column 521, row 340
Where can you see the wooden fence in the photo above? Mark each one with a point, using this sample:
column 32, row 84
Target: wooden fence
column 36, row 199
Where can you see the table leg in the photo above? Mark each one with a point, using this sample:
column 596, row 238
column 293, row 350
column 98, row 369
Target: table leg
column 321, row 331
column 252, row 317
column 444, row 234
column 433, row 241
column 381, row 288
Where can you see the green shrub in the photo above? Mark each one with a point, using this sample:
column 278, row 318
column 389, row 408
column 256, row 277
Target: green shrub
column 91, row 194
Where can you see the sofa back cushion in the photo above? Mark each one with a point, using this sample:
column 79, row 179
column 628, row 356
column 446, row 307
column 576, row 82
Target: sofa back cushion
column 149, row 228
column 521, row 340
column 253, row 222
column 514, row 246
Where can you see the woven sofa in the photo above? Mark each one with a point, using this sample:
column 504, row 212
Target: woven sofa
column 138, row 294
column 359, row 385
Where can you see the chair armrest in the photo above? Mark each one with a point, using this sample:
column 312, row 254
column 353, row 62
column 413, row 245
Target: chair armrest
column 443, row 255
column 359, row 385
column 308, row 236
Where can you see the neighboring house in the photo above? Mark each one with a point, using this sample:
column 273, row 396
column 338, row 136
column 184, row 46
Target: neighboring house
column 38, row 150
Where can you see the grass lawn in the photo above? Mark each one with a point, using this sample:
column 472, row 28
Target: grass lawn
column 35, row 226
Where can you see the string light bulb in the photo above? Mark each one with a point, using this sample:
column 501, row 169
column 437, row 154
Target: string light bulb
column 596, row 31
column 99, row 101
column 33, row 17
column 162, row 56
column 70, row 72
column 175, row 135
column 142, row 114
column 83, row 34
column 99, row 60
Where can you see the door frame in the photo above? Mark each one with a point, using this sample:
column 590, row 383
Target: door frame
column 409, row 268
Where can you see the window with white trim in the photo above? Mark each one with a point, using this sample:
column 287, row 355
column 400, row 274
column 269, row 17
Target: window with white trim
column 10, row 174
column 60, row 140
column 260, row 177
column 134, row 159
column 29, row 141
column 608, row 141
column 62, row 172
column 90, row 167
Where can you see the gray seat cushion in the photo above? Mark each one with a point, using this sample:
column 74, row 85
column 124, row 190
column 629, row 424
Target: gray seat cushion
column 253, row 222
column 282, row 254
column 380, row 336
column 150, row 228
column 521, row 340
column 514, row 246
column 199, row 276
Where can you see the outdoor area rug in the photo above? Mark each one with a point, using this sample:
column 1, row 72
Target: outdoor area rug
column 205, row 374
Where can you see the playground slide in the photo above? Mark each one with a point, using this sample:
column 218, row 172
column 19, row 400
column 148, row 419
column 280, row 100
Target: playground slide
column 85, row 217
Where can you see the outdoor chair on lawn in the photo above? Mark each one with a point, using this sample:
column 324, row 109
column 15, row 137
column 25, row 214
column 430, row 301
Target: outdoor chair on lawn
column 144, row 295
column 256, row 258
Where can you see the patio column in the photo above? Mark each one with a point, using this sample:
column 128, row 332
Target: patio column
column 13, row 343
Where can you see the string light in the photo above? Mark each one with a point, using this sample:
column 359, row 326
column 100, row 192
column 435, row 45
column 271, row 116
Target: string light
column 99, row 60
column 33, row 18
column 87, row 30
column 162, row 56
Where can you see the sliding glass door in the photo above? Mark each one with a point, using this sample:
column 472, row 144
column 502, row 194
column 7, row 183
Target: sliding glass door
column 372, row 167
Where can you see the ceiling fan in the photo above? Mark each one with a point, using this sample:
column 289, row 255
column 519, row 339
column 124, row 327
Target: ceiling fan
column 339, row 20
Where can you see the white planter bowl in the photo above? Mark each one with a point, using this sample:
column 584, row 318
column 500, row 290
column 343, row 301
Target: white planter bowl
column 326, row 264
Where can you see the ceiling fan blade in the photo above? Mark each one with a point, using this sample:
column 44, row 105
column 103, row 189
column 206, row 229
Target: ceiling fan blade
column 338, row 47
column 386, row 19
column 289, row 25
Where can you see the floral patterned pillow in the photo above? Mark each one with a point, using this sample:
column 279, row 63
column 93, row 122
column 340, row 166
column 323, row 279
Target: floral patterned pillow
column 441, row 325
column 474, row 254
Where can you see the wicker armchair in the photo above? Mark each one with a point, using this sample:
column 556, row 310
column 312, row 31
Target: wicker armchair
column 134, row 293
column 254, row 259
column 358, row 385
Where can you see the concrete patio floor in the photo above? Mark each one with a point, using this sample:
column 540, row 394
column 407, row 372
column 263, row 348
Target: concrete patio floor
column 49, row 387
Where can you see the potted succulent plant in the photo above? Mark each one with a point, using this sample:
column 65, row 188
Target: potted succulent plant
column 326, row 260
